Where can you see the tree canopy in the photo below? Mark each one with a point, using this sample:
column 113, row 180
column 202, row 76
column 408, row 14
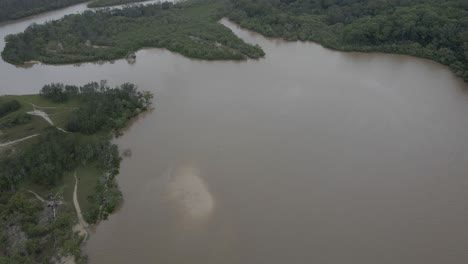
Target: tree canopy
column 190, row 28
column 48, row 159
column 432, row 29
column 101, row 3
column 15, row 9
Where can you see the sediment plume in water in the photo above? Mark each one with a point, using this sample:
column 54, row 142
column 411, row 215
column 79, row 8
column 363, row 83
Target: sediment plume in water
column 189, row 192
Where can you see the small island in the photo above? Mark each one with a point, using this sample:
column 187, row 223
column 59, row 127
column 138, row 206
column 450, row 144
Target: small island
column 58, row 167
column 189, row 28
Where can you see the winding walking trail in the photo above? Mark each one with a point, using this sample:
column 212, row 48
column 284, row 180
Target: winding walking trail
column 41, row 114
column 44, row 115
column 16, row 141
column 46, row 118
column 82, row 225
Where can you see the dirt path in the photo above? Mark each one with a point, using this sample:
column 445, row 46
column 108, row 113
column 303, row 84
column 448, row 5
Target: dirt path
column 44, row 115
column 36, row 106
column 49, row 107
column 46, row 118
column 16, row 141
column 82, row 225
column 37, row 196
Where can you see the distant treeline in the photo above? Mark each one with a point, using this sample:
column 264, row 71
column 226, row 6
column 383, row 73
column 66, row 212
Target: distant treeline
column 101, row 3
column 14, row 9
column 190, row 28
column 432, row 29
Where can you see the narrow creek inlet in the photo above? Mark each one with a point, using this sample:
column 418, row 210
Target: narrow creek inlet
column 306, row 156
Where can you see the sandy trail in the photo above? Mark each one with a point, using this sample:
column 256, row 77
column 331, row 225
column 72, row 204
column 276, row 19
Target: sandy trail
column 46, row 118
column 44, row 115
column 36, row 106
column 16, row 141
column 82, row 225
column 37, row 196
column 49, row 107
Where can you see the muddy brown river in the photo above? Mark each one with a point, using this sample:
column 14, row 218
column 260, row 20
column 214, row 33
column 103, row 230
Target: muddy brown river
column 306, row 156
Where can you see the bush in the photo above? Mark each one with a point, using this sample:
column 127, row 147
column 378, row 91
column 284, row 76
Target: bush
column 8, row 107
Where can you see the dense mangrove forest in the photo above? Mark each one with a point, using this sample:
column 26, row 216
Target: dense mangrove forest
column 190, row 28
column 437, row 30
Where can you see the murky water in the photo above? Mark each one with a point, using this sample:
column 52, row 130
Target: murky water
column 306, row 156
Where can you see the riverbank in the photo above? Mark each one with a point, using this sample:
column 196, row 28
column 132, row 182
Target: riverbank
column 64, row 180
column 432, row 30
column 104, row 3
column 190, row 28
column 12, row 10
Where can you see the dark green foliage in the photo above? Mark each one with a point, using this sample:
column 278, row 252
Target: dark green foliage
column 189, row 28
column 15, row 120
column 107, row 108
column 27, row 223
column 44, row 162
column 14, row 9
column 8, row 107
column 101, row 3
column 55, row 92
column 107, row 196
column 55, row 152
column 432, row 29
column 46, row 237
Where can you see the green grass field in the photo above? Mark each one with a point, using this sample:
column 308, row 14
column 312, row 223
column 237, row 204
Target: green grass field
column 58, row 113
column 87, row 181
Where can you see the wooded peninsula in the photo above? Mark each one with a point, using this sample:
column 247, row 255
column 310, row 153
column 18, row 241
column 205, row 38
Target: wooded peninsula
column 189, row 28
column 51, row 145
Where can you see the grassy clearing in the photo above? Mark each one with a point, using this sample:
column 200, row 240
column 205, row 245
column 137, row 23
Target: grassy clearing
column 40, row 101
column 87, row 180
column 35, row 126
column 59, row 113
